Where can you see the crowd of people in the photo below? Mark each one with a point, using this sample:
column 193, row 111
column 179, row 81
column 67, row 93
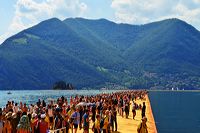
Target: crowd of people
column 98, row 112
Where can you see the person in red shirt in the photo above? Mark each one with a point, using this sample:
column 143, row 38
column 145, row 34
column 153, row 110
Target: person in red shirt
column 43, row 125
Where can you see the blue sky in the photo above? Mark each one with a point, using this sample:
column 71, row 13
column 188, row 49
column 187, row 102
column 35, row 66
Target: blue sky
column 17, row 15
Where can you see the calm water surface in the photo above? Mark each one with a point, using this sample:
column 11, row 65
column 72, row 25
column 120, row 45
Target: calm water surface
column 176, row 112
column 31, row 96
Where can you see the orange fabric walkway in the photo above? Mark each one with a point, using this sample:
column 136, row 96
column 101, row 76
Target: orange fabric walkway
column 129, row 125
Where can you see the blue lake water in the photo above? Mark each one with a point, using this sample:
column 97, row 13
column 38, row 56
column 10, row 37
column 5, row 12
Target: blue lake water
column 32, row 96
column 174, row 112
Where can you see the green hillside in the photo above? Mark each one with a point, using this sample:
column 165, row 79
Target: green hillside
column 98, row 53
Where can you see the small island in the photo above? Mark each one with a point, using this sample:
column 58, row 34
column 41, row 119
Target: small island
column 62, row 85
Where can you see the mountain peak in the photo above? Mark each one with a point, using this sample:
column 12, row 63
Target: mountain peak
column 101, row 20
column 53, row 19
column 48, row 26
column 181, row 24
column 175, row 21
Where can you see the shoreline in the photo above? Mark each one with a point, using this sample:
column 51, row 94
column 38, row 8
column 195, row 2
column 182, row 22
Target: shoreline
column 102, row 90
column 173, row 90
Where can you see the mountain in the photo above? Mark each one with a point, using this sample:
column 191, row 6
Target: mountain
column 98, row 53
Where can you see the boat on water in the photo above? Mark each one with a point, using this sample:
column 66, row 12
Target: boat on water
column 9, row 93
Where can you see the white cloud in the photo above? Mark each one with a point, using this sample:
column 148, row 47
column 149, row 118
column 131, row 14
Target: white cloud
column 31, row 12
column 140, row 12
column 197, row 1
column 4, row 36
column 190, row 15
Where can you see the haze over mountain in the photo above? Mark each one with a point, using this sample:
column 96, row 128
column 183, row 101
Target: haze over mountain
column 98, row 53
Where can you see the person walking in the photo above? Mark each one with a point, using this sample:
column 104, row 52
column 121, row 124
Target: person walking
column 86, row 121
column 43, row 125
column 76, row 118
column 106, row 122
column 114, row 115
column 134, row 110
column 143, row 109
column 24, row 125
column 142, row 127
column 1, row 123
column 97, row 124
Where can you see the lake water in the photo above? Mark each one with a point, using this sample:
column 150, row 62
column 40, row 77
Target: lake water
column 31, row 96
column 174, row 112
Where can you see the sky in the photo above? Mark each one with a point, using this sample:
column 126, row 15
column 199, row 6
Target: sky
column 17, row 15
